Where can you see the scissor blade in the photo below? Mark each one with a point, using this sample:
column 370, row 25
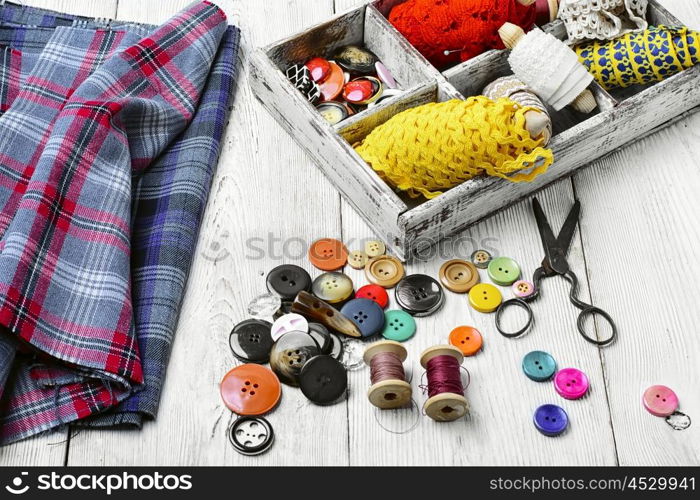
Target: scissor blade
column 555, row 259
column 566, row 233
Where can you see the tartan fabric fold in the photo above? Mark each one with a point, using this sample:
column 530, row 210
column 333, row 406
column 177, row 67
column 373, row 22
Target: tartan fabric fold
column 101, row 207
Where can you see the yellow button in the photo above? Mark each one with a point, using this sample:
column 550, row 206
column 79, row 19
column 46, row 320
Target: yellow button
column 332, row 287
column 384, row 270
column 375, row 248
column 357, row 259
column 485, row 297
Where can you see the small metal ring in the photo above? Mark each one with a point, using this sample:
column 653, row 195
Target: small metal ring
column 520, row 303
column 596, row 310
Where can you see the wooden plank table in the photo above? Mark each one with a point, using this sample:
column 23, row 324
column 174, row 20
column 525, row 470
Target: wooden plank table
column 637, row 249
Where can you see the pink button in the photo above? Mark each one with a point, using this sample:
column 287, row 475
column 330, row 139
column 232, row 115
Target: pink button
column 571, row 383
column 523, row 289
column 659, row 400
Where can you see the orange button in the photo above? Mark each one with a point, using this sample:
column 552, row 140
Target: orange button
column 328, row 254
column 250, row 390
column 467, row 339
column 333, row 85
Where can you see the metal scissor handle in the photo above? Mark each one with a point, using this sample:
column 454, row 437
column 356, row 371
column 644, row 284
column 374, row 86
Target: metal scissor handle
column 586, row 309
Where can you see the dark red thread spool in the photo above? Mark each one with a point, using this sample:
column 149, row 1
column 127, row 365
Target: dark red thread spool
column 389, row 387
column 446, row 401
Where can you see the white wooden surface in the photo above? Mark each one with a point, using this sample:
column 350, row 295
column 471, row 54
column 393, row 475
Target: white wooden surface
column 638, row 249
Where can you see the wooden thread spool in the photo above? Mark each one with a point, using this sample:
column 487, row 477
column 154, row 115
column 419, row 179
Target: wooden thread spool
column 511, row 35
column 447, row 406
column 392, row 393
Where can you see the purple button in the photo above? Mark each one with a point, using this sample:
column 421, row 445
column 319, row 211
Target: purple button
column 571, row 383
column 551, row 420
column 385, row 75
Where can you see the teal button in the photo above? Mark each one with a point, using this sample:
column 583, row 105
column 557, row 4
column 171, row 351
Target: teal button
column 503, row 271
column 398, row 325
column 539, row 366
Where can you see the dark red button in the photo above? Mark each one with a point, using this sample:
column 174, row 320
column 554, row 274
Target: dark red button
column 375, row 293
column 319, row 68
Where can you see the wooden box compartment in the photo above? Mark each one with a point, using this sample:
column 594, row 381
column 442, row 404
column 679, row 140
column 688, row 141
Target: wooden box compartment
column 408, row 224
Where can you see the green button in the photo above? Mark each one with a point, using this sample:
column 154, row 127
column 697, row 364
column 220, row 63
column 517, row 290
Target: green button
column 398, row 325
column 503, row 271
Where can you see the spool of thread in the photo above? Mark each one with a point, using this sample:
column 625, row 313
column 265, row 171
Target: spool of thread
column 602, row 20
column 436, row 146
column 449, row 31
column 643, row 57
column 446, row 401
column 389, row 387
column 549, row 68
column 537, row 120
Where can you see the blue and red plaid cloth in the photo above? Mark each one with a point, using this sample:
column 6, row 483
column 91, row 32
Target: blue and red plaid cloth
column 109, row 135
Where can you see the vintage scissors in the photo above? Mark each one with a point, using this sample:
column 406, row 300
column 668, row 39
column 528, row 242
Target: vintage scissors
column 555, row 264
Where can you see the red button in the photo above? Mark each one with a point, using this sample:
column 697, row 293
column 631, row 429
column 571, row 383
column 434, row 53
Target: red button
column 319, row 69
column 375, row 293
column 250, row 390
column 358, row 91
column 659, row 400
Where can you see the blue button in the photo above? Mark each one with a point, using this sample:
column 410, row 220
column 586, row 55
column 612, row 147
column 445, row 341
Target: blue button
column 366, row 314
column 551, row 420
column 539, row 366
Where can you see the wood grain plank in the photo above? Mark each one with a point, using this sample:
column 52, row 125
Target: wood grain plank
column 51, row 449
column 499, row 430
column 639, row 223
column 266, row 188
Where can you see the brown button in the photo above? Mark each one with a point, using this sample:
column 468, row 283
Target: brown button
column 328, row 254
column 458, row 275
column 357, row 259
column 384, row 270
column 250, row 390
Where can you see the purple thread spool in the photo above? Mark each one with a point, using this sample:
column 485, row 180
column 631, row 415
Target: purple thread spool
column 389, row 388
column 446, row 400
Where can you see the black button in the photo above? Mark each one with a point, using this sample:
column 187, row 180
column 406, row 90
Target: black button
column 289, row 354
column 336, row 347
column 419, row 295
column 288, row 280
column 251, row 341
column 323, row 380
column 321, row 336
column 285, row 308
column 251, row 435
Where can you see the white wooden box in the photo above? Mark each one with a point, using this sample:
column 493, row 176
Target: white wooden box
column 411, row 224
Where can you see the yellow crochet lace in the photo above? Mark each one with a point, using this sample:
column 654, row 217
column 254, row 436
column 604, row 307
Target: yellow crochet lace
column 437, row 146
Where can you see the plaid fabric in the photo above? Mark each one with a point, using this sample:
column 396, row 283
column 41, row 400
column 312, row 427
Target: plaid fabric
column 91, row 119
